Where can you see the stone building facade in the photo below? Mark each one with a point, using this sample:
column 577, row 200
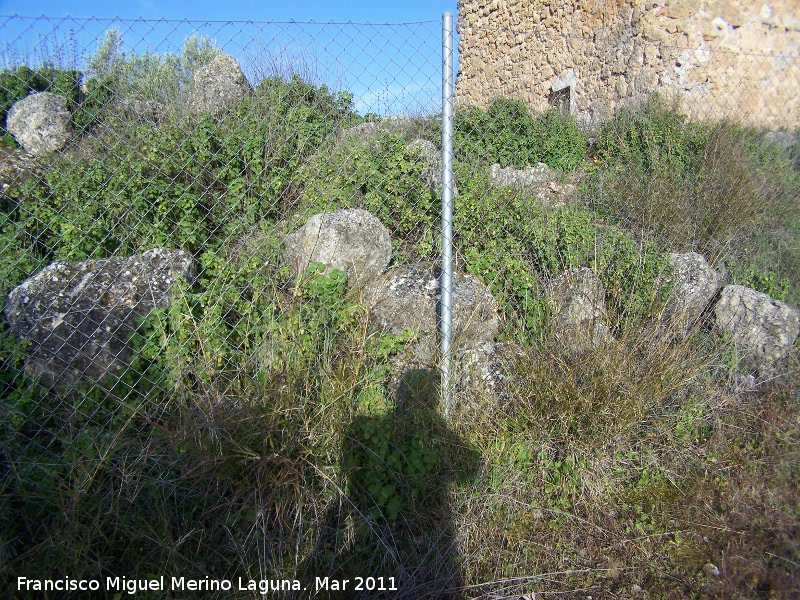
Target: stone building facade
column 723, row 58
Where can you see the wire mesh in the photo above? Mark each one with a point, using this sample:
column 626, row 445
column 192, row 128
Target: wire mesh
column 187, row 389
column 167, row 368
column 619, row 195
column 691, row 150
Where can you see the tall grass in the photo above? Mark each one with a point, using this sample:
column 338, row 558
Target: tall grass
column 717, row 188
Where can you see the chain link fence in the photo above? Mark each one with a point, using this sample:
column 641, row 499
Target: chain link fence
column 640, row 152
column 635, row 216
column 206, row 380
column 168, row 369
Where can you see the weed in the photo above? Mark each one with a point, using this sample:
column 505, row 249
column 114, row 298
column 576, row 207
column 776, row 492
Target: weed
column 715, row 188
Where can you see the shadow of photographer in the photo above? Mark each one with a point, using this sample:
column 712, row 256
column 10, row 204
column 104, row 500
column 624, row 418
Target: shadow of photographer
column 395, row 522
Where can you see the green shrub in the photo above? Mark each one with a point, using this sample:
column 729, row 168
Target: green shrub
column 652, row 138
column 161, row 77
column 507, row 133
column 169, row 186
column 516, row 246
column 383, row 176
column 602, row 398
column 389, row 462
column 694, row 186
column 715, row 188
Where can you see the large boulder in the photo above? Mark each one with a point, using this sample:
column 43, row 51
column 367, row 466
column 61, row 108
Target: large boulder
column 40, row 122
column 78, row 316
column 351, row 239
column 579, row 317
column 694, row 286
column 219, row 85
column 782, row 139
column 762, row 328
column 408, row 297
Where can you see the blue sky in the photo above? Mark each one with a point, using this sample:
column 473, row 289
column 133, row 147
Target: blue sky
column 390, row 69
column 360, row 11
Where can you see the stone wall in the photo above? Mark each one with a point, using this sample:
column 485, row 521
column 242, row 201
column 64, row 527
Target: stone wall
column 724, row 58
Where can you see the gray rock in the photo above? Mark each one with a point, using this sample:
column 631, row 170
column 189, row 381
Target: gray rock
column 762, row 328
column 219, row 85
column 555, row 193
column 526, row 178
column 540, row 181
column 351, row 239
column 402, row 124
column 408, row 297
column 486, row 372
column 579, row 310
column 694, row 286
column 78, row 316
column 740, row 383
column 40, row 122
column 784, row 139
column 16, row 166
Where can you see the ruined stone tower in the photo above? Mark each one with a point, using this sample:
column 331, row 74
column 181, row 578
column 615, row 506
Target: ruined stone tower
column 723, row 58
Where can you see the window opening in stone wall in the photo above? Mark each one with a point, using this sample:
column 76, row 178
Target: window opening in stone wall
column 560, row 99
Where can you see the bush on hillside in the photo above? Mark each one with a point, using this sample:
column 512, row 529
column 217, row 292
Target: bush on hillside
column 715, row 188
column 509, row 134
column 160, row 77
column 516, row 246
column 383, row 176
column 178, row 187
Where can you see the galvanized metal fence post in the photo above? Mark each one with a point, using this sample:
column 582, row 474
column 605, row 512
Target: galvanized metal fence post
column 447, row 203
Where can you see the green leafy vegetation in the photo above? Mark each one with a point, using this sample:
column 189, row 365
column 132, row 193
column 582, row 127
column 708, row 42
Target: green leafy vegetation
column 716, row 188
column 516, row 247
column 390, row 460
column 175, row 186
column 507, row 133
column 384, row 177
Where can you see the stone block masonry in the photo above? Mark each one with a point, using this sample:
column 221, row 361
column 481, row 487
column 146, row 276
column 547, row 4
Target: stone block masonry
column 721, row 58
